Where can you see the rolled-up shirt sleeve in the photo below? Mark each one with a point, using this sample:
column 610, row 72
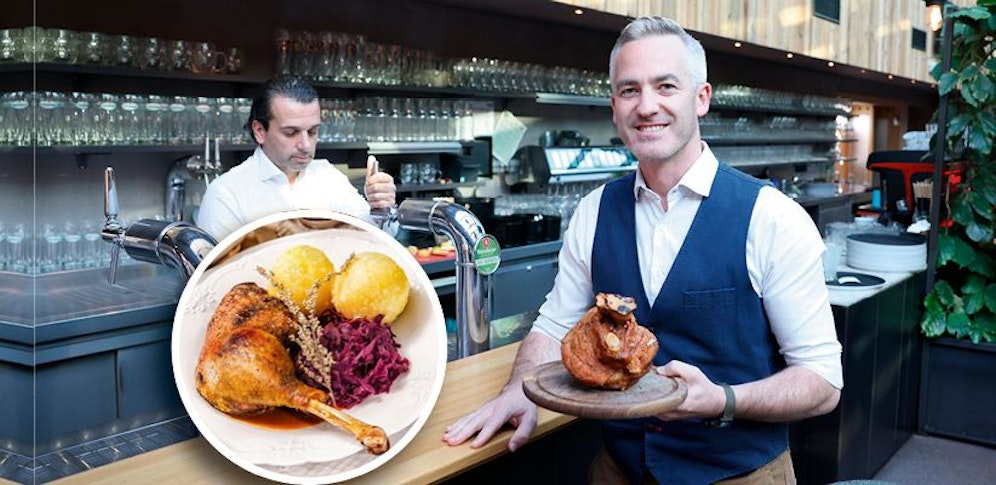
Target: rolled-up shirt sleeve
column 784, row 257
column 572, row 292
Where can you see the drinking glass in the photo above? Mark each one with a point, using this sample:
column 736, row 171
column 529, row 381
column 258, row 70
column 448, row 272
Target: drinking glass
column 199, row 119
column 92, row 245
column 304, row 46
column 151, row 54
column 109, row 126
column 15, row 109
column 72, row 246
column 205, row 58
column 224, row 124
column 327, row 51
column 408, row 173
column 178, row 56
column 123, row 50
column 10, row 45
column 93, row 48
column 234, row 60
column 50, row 251
column 154, row 114
column 240, row 135
column 17, row 261
column 130, row 119
column 63, row 45
column 178, row 131
column 285, row 51
column 47, row 123
column 428, row 173
column 831, row 261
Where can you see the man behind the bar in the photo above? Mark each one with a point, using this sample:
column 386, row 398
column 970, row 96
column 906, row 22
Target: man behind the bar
column 282, row 173
column 730, row 281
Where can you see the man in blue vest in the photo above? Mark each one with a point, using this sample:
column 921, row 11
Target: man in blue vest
column 726, row 272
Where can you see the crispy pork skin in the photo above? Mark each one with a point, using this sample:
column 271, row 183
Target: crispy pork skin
column 607, row 348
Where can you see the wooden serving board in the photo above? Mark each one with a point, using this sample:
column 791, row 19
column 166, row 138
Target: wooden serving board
column 552, row 387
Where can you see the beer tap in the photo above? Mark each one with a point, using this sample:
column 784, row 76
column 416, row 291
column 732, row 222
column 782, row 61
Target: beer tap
column 473, row 286
column 172, row 243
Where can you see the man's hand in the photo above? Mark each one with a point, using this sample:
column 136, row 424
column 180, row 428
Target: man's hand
column 379, row 188
column 705, row 399
column 511, row 406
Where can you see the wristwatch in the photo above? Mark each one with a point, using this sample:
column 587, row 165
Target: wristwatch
column 731, row 406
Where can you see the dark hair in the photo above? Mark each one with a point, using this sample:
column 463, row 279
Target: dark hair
column 286, row 86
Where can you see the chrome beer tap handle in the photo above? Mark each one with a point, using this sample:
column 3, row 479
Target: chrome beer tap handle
column 113, row 231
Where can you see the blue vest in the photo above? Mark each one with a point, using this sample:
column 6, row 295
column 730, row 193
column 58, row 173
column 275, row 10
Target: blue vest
column 706, row 314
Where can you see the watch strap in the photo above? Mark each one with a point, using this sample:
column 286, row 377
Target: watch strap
column 728, row 411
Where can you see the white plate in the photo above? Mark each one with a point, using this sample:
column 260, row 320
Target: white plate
column 321, row 453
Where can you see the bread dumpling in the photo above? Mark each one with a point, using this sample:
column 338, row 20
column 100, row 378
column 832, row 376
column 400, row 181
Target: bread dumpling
column 370, row 284
column 297, row 269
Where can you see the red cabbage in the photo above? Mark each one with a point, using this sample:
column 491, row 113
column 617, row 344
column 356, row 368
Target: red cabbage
column 366, row 355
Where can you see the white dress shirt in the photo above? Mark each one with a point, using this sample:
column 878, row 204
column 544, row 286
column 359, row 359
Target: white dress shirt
column 784, row 261
column 256, row 188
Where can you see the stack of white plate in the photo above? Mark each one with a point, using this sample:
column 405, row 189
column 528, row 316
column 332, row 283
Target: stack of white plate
column 887, row 252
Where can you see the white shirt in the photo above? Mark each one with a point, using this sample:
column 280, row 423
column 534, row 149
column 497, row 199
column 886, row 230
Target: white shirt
column 784, row 261
column 256, row 188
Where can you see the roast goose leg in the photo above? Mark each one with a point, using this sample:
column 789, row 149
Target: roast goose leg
column 250, row 372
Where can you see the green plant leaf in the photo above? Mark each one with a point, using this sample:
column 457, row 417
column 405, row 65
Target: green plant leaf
column 979, row 233
column 934, row 321
column 974, row 285
column 957, row 124
column 985, row 265
column 986, row 189
column 947, row 83
column 990, row 295
column 982, row 87
column 961, row 210
column 944, row 294
column 964, row 255
column 986, row 324
column 978, row 138
column 986, row 120
column 974, row 303
column 974, row 13
column 945, row 248
column 959, row 324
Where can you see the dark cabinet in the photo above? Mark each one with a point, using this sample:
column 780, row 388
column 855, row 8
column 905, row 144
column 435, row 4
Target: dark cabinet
column 146, row 389
column 75, row 397
column 522, row 286
column 16, row 387
column 877, row 410
column 105, row 383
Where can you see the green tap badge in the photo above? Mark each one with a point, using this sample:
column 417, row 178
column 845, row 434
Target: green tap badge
column 487, row 254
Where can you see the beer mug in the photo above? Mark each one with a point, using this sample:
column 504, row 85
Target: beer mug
column 205, row 58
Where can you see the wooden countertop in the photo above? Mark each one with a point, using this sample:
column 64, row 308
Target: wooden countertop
column 468, row 383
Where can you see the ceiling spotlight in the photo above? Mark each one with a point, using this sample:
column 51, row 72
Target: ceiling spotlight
column 578, row 11
column 737, row 44
column 890, row 76
column 789, row 55
column 830, row 64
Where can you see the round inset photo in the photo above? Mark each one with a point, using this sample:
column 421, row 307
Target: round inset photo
column 309, row 347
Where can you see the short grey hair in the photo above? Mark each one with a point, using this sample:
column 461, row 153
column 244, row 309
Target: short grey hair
column 644, row 27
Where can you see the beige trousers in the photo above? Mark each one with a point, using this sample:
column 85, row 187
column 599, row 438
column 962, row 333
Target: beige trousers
column 603, row 471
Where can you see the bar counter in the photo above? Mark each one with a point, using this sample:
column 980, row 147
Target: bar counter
column 468, row 384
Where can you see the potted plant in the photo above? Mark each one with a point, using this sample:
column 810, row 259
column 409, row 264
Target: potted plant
column 958, row 393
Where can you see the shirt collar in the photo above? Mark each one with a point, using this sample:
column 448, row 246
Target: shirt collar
column 265, row 168
column 698, row 179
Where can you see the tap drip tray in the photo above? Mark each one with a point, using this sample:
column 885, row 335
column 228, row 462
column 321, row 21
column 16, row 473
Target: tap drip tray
column 850, row 280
